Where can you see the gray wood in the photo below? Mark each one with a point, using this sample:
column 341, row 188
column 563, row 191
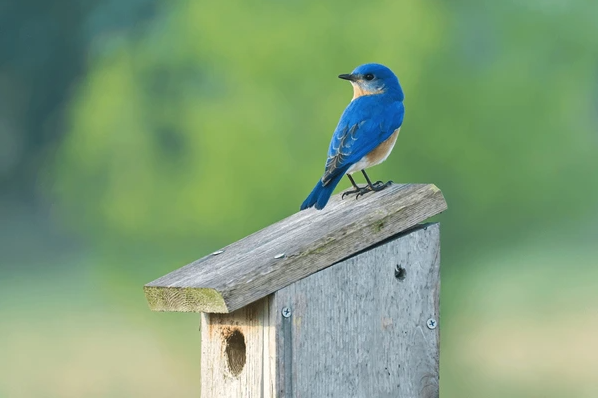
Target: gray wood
column 358, row 331
column 311, row 240
column 230, row 369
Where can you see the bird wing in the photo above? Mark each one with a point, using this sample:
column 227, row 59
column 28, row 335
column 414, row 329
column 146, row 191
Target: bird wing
column 364, row 125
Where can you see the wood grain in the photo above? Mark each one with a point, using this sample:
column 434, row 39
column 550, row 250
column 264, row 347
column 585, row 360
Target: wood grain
column 228, row 371
column 356, row 330
column 310, row 240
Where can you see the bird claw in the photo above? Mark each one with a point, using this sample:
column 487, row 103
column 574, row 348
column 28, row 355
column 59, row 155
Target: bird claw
column 350, row 192
column 378, row 186
column 363, row 191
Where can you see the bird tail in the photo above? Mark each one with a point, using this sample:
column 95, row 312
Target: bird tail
column 321, row 193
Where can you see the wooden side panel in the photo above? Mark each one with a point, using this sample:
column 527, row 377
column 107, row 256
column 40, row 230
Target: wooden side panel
column 359, row 328
column 238, row 353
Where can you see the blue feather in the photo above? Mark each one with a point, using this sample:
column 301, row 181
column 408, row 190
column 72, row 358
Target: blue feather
column 368, row 121
column 321, row 193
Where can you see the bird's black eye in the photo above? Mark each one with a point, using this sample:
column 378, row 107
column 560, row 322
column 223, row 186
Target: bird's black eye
column 368, row 76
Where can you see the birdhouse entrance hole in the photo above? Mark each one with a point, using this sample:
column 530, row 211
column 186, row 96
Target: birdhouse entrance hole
column 235, row 349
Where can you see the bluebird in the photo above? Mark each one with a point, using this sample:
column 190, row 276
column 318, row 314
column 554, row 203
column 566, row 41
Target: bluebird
column 365, row 134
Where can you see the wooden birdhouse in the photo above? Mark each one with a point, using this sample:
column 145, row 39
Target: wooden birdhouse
column 342, row 302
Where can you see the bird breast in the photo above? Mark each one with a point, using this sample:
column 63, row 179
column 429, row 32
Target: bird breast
column 377, row 155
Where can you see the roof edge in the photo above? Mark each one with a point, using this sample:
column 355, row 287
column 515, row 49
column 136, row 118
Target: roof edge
column 184, row 299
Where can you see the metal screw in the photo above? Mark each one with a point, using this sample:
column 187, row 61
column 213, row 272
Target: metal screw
column 431, row 323
column 286, row 312
column 279, row 256
column 217, row 252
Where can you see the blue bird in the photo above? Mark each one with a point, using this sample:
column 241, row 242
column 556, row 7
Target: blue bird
column 365, row 134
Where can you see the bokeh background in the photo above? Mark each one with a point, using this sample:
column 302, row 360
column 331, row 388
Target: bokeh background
column 139, row 135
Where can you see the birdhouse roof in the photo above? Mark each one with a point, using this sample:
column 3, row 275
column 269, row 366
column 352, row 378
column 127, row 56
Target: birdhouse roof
column 292, row 249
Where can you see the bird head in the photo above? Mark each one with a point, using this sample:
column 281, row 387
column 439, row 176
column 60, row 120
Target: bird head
column 372, row 79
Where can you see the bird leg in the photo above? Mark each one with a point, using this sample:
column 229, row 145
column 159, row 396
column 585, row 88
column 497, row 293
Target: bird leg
column 358, row 190
column 378, row 186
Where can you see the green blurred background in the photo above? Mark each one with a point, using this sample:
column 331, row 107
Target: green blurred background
column 139, row 135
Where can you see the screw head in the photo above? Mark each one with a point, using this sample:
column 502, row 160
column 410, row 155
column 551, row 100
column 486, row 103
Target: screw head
column 286, row 312
column 431, row 323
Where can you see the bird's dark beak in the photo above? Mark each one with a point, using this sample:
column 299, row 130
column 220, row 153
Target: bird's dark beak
column 348, row 76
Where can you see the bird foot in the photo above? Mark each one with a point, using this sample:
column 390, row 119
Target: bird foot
column 363, row 191
column 380, row 185
column 356, row 191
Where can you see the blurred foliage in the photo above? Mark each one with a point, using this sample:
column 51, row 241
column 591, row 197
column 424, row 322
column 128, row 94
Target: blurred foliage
column 204, row 128
column 43, row 50
column 206, row 131
column 157, row 131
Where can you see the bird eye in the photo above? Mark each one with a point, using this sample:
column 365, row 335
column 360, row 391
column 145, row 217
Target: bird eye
column 369, row 76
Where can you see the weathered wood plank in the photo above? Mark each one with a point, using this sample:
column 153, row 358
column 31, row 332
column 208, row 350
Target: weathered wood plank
column 238, row 353
column 358, row 328
column 311, row 240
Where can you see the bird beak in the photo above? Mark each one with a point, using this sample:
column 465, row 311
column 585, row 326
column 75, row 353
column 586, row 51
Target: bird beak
column 348, row 76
